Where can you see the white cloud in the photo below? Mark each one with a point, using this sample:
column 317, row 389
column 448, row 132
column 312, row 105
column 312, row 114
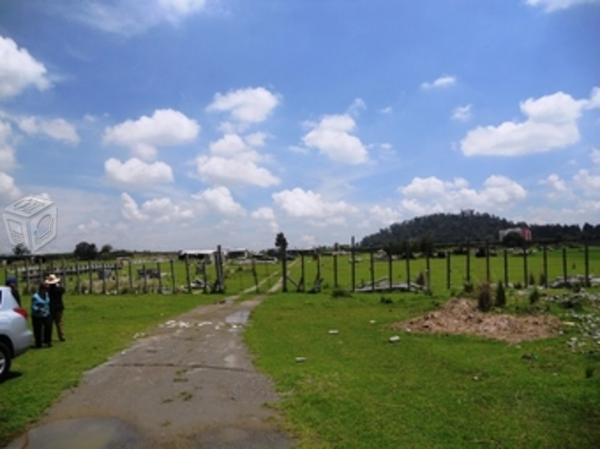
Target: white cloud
column 220, row 200
column 138, row 173
column 557, row 5
column 595, row 156
column 555, row 182
column 384, row 215
column 386, row 110
column 443, row 82
column 164, row 210
column 250, row 105
column 301, row 203
column 129, row 17
column 232, row 161
column 333, row 137
column 588, row 182
column 429, row 195
column 57, row 129
column 462, row 113
column 256, row 139
column 166, row 127
column 130, row 209
column 7, row 152
column 551, row 123
column 357, row 105
column 19, row 70
column 8, row 188
column 266, row 214
column 90, row 226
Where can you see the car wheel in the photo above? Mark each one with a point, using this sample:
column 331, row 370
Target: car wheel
column 4, row 361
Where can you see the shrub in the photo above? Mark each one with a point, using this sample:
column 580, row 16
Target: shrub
column 500, row 295
column 421, row 279
column 534, row 296
column 484, row 298
column 468, row 287
column 542, row 279
column 531, row 279
column 384, row 300
column 340, row 293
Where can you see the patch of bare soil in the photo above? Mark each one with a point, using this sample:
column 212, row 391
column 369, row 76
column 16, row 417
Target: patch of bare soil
column 461, row 316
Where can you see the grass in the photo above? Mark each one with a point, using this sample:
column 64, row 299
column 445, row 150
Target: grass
column 96, row 328
column 356, row 390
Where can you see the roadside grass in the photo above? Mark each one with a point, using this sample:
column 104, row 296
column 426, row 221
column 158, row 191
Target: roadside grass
column 96, row 327
column 356, row 390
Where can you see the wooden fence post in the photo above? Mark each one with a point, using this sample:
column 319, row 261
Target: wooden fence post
column 319, row 267
column 564, row 264
column 372, row 268
column 468, row 263
column 301, row 284
column 103, row 268
column 428, row 271
column 160, row 286
column 130, row 274
column 255, row 274
column 90, row 278
column 204, row 277
column 448, row 270
column 117, row 282
column 353, row 263
column 545, row 268
column 173, row 282
column 390, row 270
column 586, row 255
column 335, row 267
column 407, row 257
column 525, row 267
column 187, row 273
column 284, row 268
column 487, row 262
column 506, row 278
column 145, row 278
column 78, row 278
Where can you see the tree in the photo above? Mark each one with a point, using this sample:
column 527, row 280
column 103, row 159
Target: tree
column 513, row 240
column 21, row 250
column 106, row 249
column 85, row 251
column 281, row 242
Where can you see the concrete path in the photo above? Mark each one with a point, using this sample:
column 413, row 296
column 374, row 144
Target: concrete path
column 190, row 384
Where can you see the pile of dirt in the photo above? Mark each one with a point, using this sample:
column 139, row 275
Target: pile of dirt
column 461, row 316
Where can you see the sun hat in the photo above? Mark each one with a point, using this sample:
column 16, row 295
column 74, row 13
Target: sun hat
column 52, row 279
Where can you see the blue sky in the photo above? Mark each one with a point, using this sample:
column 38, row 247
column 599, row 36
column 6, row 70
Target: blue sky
column 186, row 123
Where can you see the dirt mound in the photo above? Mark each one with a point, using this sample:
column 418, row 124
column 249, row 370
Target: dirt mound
column 461, row 316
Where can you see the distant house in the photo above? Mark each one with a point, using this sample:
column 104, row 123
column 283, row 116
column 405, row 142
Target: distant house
column 203, row 255
column 238, row 253
column 523, row 231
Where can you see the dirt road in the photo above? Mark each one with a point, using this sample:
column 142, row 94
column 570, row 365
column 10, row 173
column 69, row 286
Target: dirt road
column 190, row 384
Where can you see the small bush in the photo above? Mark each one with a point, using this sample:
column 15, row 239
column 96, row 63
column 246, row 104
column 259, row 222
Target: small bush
column 542, row 279
column 421, row 279
column 468, row 287
column 531, row 279
column 518, row 286
column 534, row 296
column 384, row 300
column 500, row 295
column 340, row 293
column 484, row 298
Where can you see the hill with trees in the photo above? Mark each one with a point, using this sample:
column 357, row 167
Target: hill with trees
column 471, row 226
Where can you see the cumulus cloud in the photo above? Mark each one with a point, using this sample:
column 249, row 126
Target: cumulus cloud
column 166, row 127
column 443, row 82
column 57, row 128
column 357, row 106
column 138, row 173
column 8, row 188
column 555, row 182
column 557, row 5
column 247, row 106
column 129, row 17
column 595, row 156
column 333, row 136
column 431, row 194
column 266, row 214
column 233, row 161
column 588, row 182
column 384, row 215
column 7, row 152
column 19, row 70
column 164, row 210
column 551, row 124
column 301, row 203
column 220, row 200
column 130, row 209
column 462, row 113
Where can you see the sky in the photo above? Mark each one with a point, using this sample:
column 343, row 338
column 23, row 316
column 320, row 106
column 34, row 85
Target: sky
column 170, row 124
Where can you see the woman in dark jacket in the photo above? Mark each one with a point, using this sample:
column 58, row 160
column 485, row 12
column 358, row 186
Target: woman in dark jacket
column 56, row 292
column 40, row 317
column 12, row 283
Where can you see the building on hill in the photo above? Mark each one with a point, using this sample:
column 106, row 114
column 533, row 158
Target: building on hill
column 522, row 231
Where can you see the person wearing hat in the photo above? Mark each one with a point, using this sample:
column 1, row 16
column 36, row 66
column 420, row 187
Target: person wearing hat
column 40, row 317
column 56, row 292
column 12, row 283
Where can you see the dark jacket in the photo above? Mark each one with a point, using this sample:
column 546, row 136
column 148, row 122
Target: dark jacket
column 55, row 292
column 40, row 305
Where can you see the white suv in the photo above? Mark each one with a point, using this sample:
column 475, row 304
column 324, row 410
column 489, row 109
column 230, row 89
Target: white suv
column 15, row 336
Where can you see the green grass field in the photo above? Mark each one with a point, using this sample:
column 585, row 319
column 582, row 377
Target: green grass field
column 96, row 328
column 356, row 390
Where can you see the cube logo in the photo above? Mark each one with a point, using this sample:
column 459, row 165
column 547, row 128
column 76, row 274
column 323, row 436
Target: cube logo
column 31, row 221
